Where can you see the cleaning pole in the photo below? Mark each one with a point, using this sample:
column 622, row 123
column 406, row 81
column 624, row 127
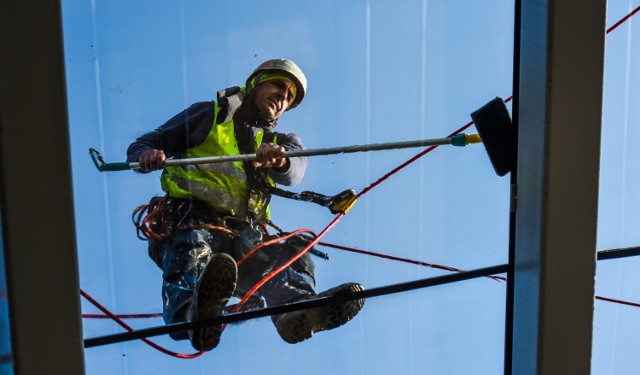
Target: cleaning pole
column 456, row 140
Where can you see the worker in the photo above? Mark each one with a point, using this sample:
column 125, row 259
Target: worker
column 214, row 214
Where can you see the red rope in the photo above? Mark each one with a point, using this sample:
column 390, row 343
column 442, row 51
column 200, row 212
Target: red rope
column 418, row 156
column 451, row 269
column 271, row 242
column 406, row 260
column 122, row 316
column 623, row 20
column 406, row 163
column 128, row 328
column 288, row 263
column 618, row 301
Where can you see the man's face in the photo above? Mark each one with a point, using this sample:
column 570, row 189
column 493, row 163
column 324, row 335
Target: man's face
column 273, row 97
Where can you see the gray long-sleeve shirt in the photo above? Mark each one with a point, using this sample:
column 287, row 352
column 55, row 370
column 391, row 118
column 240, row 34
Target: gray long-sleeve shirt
column 190, row 128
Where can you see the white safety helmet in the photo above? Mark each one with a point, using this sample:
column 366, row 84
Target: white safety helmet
column 280, row 66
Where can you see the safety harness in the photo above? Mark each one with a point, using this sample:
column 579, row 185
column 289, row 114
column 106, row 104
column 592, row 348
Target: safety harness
column 160, row 218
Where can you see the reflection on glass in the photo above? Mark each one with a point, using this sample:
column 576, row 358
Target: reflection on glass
column 619, row 206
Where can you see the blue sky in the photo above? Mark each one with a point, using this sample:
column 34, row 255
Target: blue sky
column 378, row 72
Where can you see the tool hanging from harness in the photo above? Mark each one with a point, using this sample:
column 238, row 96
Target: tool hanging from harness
column 339, row 203
column 260, row 190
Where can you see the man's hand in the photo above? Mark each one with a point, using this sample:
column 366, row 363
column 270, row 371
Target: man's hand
column 270, row 155
column 152, row 160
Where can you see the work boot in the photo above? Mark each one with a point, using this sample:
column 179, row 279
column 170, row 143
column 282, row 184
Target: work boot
column 300, row 325
column 213, row 290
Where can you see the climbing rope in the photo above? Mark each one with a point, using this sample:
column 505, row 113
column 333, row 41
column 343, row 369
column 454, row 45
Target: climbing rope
column 129, row 329
column 618, row 301
column 405, row 260
column 271, row 242
column 152, row 221
column 623, row 20
column 122, row 316
column 288, row 263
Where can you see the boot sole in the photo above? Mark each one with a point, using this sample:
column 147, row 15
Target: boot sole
column 309, row 322
column 215, row 288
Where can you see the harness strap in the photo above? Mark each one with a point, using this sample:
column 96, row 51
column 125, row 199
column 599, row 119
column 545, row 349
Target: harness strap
column 257, row 177
column 229, row 100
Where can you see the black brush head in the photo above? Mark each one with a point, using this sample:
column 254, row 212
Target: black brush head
column 498, row 136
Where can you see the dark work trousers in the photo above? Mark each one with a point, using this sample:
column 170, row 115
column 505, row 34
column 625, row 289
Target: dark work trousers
column 183, row 256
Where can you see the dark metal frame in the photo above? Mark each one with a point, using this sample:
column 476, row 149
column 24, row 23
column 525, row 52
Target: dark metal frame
column 559, row 97
column 36, row 192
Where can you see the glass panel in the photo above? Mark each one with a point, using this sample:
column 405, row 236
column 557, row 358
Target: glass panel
column 619, row 207
column 378, row 72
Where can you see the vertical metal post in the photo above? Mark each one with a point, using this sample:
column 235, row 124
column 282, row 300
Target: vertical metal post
column 36, row 199
column 560, row 105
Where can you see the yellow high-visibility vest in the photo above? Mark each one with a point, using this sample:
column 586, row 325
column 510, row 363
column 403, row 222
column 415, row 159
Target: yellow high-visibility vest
column 223, row 186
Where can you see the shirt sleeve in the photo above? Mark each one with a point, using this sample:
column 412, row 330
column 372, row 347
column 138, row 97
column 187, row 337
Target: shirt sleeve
column 293, row 173
column 187, row 129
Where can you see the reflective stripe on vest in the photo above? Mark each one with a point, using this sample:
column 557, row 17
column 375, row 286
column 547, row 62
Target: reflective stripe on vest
column 222, row 185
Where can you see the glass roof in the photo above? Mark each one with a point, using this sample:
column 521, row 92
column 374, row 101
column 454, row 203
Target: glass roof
column 615, row 324
column 378, row 72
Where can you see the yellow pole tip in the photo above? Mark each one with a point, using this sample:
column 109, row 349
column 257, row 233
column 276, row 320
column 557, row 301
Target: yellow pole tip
column 472, row 138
